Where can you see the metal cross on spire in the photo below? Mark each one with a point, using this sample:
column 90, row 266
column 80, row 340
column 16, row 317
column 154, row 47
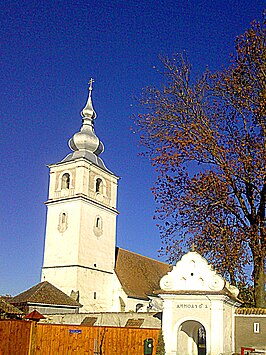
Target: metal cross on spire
column 90, row 83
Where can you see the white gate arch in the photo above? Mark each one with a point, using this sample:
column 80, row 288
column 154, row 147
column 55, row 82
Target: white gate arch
column 172, row 335
column 193, row 292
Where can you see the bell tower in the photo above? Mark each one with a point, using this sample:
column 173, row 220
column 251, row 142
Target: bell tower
column 79, row 253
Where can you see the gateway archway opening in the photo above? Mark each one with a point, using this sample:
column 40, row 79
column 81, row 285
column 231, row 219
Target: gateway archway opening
column 191, row 338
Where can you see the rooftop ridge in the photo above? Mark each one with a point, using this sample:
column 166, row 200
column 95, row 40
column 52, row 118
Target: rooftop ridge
column 144, row 256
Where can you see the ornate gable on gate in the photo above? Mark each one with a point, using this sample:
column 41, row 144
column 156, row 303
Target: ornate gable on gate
column 193, row 273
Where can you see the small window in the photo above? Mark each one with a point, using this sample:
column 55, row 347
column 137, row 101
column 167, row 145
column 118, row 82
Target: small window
column 94, row 295
column 65, row 181
column 98, row 226
column 98, row 223
column 99, row 186
column 63, row 218
column 139, row 306
column 256, row 327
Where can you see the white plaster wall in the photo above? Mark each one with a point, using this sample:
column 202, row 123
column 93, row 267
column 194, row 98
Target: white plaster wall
column 93, row 249
column 168, row 329
column 216, row 327
column 62, row 248
column 228, row 322
column 95, row 289
column 63, row 278
column 78, row 244
column 118, row 293
column 83, row 176
column 116, row 319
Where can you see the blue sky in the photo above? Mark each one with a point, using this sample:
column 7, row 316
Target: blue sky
column 50, row 49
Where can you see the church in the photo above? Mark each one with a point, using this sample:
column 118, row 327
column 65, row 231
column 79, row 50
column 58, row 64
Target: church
column 80, row 255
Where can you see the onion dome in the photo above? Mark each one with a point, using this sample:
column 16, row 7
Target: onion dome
column 86, row 138
column 85, row 143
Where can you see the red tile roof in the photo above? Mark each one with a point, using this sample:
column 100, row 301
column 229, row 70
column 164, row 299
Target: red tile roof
column 138, row 274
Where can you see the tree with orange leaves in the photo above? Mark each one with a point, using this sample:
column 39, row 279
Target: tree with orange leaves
column 206, row 139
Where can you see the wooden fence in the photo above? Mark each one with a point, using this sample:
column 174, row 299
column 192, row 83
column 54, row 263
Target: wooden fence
column 30, row 338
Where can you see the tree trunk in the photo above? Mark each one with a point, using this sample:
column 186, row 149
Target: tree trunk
column 259, row 281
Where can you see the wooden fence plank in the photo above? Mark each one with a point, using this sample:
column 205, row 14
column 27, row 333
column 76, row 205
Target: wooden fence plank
column 14, row 337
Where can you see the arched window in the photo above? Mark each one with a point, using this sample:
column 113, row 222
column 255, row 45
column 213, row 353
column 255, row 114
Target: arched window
column 99, row 185
column 65, row 181
column 98, row 223
column 98, row 226
column 62, row 224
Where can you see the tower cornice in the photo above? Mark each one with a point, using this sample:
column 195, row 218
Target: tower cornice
column 79, row 197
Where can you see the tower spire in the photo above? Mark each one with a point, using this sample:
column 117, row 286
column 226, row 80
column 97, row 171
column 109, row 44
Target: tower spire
column 85, row 143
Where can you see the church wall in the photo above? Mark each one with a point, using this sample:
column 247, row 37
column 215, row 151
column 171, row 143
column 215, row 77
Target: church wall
column 97, row 243
column 95, row 290
column 64, row 278
column 61, row 247
column 119, row 297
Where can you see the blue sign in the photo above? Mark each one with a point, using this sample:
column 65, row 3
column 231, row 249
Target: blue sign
column 75, row 331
